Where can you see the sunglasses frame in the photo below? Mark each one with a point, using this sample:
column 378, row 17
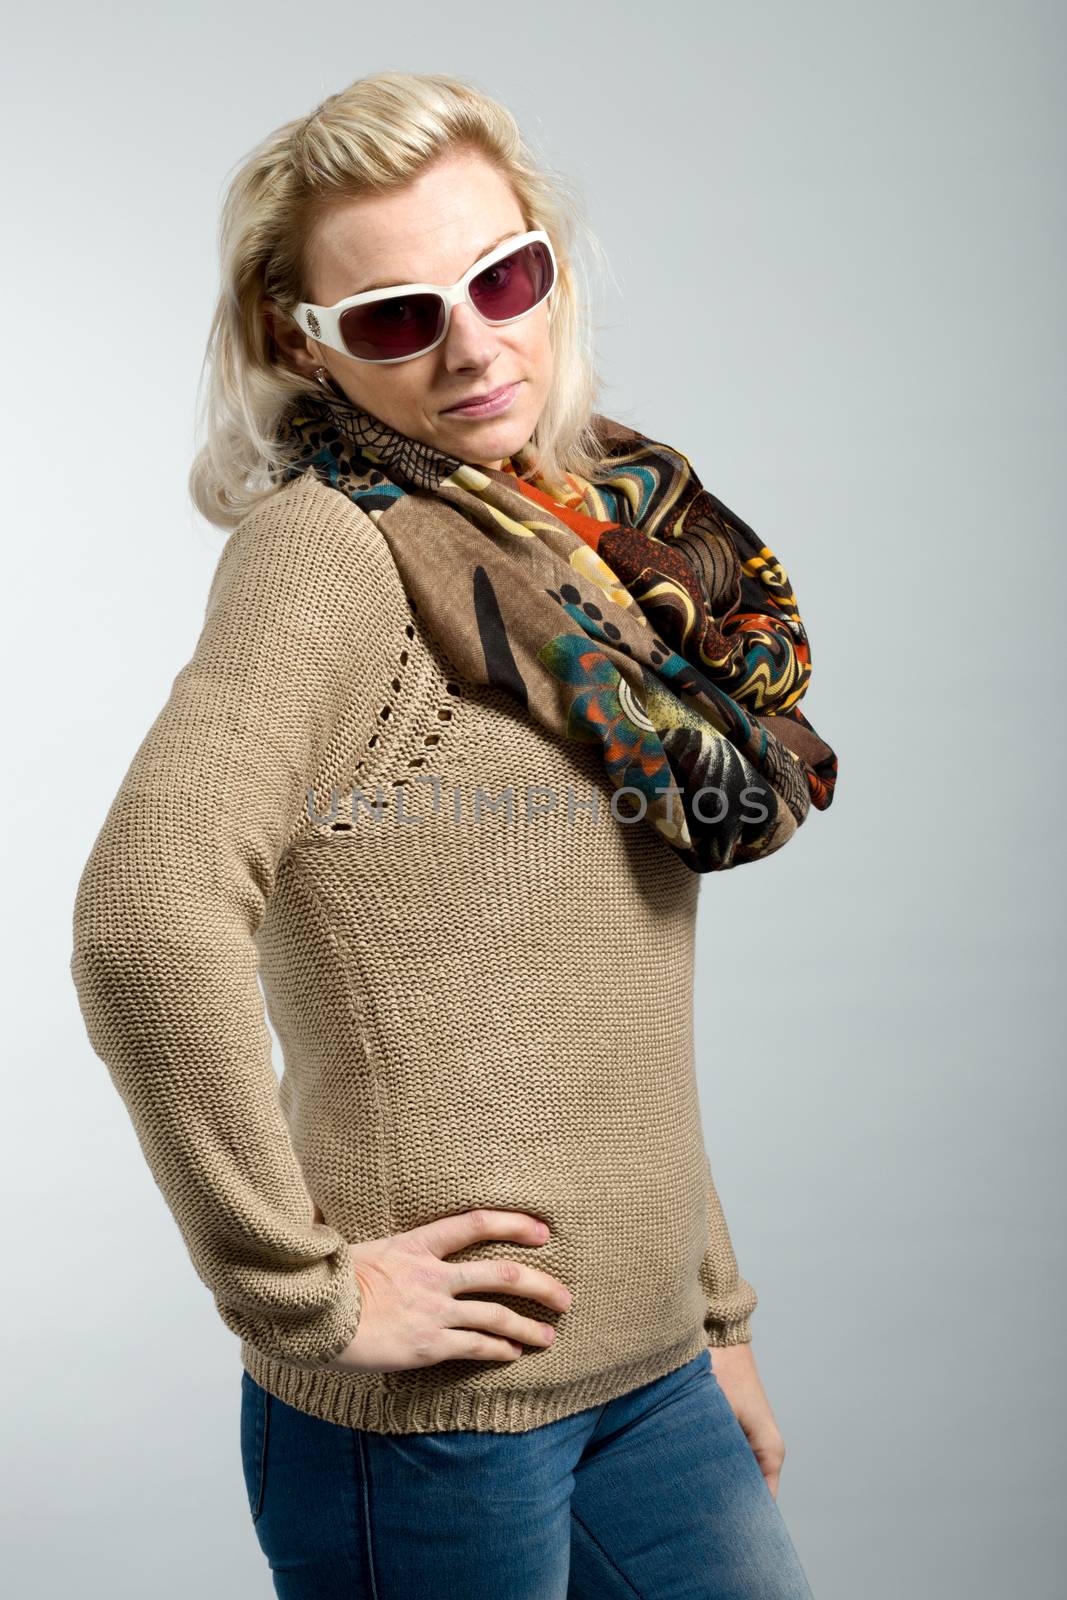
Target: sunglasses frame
column 324, row 322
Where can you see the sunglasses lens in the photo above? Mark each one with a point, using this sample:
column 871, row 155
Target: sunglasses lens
column 514, row 284
column 386, row 329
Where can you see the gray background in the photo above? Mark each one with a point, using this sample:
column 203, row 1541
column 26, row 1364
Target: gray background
column 864, row 201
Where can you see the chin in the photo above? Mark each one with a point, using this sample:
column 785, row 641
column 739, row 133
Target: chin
column 496, row 438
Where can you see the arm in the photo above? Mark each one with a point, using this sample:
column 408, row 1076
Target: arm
column 176, row 887
column 730, row 1303
column 730, row 1300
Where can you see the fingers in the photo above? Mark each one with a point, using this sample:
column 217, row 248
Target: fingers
column 445, row 1235
column 502, row 1322
column 455, row 1344
column 511, row 1277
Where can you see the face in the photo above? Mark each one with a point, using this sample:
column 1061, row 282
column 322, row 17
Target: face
column 432, row 231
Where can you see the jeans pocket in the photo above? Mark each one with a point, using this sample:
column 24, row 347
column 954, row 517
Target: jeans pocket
column 255, row 1422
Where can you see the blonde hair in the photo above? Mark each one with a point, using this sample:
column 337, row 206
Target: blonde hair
column 370, row 138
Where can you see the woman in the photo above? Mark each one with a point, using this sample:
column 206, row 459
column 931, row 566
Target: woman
column 472, row 1249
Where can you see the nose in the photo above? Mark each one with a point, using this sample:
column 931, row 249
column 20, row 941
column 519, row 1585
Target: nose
column 469, row 342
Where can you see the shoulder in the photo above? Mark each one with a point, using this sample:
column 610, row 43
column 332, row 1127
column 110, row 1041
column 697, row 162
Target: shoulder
column 302, row 516
column 308, row 544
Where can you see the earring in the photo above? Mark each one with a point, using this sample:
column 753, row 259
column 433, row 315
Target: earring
column 320, row 375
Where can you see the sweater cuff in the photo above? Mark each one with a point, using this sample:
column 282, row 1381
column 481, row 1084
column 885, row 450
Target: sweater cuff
column 729, row 1333
column 309, row 1342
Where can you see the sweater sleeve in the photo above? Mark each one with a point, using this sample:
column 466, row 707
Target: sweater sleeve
column 729, row 1299
column 176, row 886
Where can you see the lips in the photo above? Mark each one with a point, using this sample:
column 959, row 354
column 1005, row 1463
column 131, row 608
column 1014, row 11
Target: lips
column 482, row 399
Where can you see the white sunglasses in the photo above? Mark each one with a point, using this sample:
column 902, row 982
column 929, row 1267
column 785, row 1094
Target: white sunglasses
column 407, row 319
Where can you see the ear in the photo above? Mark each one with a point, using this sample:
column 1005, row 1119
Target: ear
column 288, row 342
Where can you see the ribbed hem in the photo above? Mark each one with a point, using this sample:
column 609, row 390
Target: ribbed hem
column 347, row 1399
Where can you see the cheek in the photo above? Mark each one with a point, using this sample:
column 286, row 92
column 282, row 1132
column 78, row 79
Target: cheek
column 536, row 355
column 547, row 353
column 367, row 387
column 545, row 368
column 386, row 395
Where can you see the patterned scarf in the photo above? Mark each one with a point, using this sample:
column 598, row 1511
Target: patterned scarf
column 635, row 611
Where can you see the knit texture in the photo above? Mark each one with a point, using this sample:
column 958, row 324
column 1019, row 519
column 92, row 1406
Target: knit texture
column 481, row 981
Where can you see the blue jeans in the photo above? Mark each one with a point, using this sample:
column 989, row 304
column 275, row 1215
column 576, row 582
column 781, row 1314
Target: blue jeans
column 655, row 1494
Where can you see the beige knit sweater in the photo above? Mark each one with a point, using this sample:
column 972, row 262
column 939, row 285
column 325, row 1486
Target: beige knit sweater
column 481, row 982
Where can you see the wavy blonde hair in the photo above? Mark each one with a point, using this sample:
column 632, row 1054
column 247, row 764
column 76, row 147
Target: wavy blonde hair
column 371, row 138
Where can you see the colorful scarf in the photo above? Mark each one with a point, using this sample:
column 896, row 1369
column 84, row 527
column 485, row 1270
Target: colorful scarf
column 635, row 611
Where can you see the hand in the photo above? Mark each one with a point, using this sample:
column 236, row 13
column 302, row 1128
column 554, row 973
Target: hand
column 734, row 1365
column 411, row 1316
